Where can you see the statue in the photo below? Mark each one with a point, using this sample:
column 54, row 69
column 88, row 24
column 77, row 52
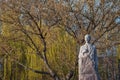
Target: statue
column 88, row 61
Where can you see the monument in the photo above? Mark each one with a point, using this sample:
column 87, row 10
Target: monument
column 88, row 61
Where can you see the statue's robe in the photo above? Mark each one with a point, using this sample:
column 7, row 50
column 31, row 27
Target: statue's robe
column 88, row 62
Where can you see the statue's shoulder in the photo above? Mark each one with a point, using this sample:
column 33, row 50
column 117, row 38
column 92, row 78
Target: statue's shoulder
column 82, row 46
column 94, row 47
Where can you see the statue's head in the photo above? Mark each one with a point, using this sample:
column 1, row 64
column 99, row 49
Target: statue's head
column 87, row 38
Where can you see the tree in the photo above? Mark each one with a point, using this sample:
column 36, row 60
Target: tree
column 36, row 19
column 28, row 26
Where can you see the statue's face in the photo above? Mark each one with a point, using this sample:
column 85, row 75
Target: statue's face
column 87, row 38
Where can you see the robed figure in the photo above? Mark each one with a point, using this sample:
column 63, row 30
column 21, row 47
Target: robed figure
column 88, row 61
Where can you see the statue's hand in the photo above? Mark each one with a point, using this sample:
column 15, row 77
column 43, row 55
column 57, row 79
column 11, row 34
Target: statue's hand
column 85, row 51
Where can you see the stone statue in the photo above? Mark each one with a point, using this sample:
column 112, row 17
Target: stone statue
column 88, row 61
